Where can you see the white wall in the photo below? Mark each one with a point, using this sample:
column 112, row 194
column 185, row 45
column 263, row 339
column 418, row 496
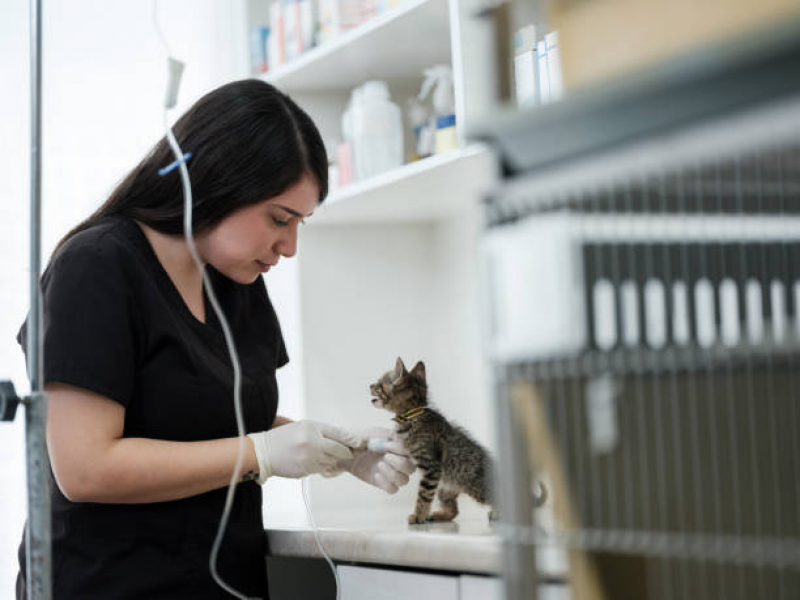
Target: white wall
column 104, row 78
column 371, row 293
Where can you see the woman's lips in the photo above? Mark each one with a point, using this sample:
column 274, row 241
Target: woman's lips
column 263, row 266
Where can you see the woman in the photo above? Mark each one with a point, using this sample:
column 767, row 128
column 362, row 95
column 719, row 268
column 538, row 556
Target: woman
column 141, row 427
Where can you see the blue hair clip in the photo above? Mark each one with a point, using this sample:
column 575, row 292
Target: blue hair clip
column 172, row 166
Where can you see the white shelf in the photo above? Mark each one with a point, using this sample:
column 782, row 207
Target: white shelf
column 427, row 190
column 378, row 49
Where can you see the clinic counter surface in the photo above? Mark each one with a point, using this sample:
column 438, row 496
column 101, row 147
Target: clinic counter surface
column 468, row 545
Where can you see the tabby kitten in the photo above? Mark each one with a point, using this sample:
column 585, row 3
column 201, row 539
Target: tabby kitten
column 448, row 457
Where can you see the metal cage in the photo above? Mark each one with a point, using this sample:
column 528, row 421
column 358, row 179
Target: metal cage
column 644, row 324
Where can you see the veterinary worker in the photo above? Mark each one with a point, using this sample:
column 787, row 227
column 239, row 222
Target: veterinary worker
column 141, row 426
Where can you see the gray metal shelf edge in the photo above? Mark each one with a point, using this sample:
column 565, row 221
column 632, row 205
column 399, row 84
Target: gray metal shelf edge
column 705, row 83
column 646, row 362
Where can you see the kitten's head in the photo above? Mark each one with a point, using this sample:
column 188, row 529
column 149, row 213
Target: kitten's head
column 399, row 390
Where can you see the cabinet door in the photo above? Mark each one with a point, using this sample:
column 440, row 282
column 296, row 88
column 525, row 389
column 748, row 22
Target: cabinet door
column 362, row 583
column 481, row 588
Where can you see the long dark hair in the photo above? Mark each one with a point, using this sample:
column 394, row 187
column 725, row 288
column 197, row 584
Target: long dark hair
column 249, row 142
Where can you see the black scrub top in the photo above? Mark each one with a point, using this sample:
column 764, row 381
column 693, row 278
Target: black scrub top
column 115, row 324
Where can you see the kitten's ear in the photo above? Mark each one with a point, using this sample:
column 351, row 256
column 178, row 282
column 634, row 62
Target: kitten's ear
column 419, row 370
column 399, row 368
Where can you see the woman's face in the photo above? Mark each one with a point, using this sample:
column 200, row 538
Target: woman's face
column 252, row 239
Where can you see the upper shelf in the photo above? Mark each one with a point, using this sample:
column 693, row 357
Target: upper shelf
column 378, row 49
column 686, row 90
column 427, row 190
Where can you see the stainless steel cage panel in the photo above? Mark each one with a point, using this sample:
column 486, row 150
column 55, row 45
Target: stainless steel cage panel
column 644, row 323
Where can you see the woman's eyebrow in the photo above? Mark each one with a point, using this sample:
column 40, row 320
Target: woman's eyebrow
column 292, row 211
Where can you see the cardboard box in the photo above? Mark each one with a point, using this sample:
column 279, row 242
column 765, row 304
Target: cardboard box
column 601, row 39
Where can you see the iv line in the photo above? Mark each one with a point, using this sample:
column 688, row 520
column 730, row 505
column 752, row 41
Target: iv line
column 175, row 71
column 317, row 538
column 237, row 376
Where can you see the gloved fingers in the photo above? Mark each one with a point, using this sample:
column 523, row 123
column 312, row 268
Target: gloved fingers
column 384, row 484
column 343, row 436
column 396, row 447
column 327, row 464
column 400, row 463
column 336, row 450
column 391, row 474
column 334, row 470
column 331, row 473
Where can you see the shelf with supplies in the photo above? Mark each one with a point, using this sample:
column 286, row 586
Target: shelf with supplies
column 426, row 190
column 373, row 50
column 679, row 94
column 388, row 263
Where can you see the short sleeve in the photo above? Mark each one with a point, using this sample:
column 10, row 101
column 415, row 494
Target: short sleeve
column 88, row 326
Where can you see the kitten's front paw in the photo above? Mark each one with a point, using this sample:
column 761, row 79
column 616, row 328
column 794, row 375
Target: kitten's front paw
column 415, row 519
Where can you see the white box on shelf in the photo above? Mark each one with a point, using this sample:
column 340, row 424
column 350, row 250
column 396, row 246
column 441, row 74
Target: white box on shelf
column 276, row 41
column 537, row 284
column 535, row 289
column 554, row 65
column 259, row 40
column 543, row 70
column 308, row 24
column 296, row 14
column 337, row 17
column 525, row 65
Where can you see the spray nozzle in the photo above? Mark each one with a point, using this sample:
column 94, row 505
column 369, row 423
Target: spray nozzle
column 440, row 80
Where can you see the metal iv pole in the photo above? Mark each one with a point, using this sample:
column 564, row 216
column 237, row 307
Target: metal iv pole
column 38, row 584
column 37, row 532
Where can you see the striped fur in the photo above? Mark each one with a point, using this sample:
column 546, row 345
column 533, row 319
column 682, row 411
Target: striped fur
column 450, row 461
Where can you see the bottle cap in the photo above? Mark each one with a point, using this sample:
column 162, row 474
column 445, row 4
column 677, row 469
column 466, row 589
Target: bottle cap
column 445, row 122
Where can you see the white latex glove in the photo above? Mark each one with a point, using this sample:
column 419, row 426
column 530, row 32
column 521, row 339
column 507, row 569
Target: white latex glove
column 388, row 471
column 302, row 448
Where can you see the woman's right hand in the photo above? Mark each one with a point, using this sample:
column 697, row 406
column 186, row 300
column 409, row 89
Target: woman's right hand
column 302, row 448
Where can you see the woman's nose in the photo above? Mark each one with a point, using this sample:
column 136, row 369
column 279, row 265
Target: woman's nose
column 287, row 245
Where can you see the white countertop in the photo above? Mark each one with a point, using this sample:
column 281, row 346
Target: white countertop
column 470, row 544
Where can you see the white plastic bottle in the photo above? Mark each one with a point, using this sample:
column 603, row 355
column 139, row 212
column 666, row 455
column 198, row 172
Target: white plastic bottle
column 345, row 152
column 440, row 80
column 377, row 130
column 424, row 135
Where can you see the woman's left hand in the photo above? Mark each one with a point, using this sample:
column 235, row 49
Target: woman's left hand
column 388, row 471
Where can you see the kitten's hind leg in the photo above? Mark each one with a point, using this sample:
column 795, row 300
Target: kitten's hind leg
column 448, row 496
column 427, row 490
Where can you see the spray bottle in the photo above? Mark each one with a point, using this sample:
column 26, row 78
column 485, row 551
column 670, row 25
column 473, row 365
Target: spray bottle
column 424, row 134
column 440, row 80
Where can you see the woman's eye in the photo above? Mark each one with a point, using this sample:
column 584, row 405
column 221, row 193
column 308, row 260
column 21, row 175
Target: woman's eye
column 279, row 223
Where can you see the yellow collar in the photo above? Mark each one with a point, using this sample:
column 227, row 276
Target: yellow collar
column 409, row 414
